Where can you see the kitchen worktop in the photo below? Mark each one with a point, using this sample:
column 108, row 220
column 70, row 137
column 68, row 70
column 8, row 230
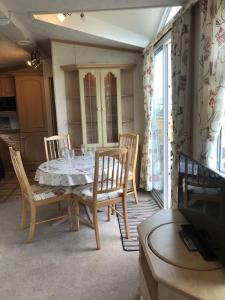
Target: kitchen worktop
column 9, row 131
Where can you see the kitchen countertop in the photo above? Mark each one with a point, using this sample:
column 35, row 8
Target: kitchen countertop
column 9, row 131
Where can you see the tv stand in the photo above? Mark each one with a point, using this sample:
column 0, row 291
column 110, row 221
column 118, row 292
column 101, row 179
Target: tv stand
column 194, row 242
column 168, row 271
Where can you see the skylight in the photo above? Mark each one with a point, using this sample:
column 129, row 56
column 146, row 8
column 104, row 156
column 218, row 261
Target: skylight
column 173, row 11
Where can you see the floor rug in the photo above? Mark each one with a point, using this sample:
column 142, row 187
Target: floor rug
column 136, row 214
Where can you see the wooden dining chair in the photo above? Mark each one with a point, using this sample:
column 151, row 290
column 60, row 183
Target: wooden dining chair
column 55, row 144
column 35, row 196
column 130, row 141
column 109, row 187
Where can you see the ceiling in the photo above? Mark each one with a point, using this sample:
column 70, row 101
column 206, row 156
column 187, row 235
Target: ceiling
column 112, row 27
column 49, row 6
column 107, row 23
column 10, row 54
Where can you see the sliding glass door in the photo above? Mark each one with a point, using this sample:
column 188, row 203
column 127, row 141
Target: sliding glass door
column 158, row 126
column 161, row 107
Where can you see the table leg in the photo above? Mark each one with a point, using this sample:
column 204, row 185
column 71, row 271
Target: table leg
column 89, row 217
column 88, row 213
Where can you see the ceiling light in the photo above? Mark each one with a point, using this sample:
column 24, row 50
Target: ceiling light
column 61, row 17
column 24, row 43
column 82, row 16
column 35, row 60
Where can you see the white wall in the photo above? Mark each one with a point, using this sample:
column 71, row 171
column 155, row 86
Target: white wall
column 47, row 73
column 63, row 54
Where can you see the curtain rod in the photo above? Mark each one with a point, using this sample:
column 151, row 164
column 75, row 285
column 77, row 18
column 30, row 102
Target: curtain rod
column 169, row 26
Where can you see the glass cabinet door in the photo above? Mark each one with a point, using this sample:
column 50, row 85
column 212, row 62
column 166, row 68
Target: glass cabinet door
column 111, row 106
column 90, row 107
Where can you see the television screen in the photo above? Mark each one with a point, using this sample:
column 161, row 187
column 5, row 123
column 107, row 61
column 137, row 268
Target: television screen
column 201, row 200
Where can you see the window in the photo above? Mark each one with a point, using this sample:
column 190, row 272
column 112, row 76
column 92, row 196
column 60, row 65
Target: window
column 171, row 13
column 168, row 15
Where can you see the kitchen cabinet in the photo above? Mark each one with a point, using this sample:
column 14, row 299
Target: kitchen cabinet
column 31, row 103
column 32, row 147
column 31, row 108
column 7, row 87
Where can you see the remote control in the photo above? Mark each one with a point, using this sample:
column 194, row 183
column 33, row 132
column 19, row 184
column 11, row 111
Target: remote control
column 188, row 241
column 190, row 244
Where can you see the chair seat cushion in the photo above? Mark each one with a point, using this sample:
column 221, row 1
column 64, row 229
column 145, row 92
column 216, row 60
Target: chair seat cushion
column 86, row 192
column 43, row 192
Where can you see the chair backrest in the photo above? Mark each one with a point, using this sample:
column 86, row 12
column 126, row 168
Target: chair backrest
column 21, row 174
column 130, row 141
column 54, row 145
column 111, row 171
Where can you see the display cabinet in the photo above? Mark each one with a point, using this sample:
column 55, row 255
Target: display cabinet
column 99, row 103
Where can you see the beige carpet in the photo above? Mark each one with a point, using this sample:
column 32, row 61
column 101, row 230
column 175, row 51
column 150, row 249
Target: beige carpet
column 63, row 265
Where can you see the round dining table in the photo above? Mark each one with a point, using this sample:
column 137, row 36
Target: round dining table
column 66, row 172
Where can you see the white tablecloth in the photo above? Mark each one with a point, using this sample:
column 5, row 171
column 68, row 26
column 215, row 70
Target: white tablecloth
column 77, row 171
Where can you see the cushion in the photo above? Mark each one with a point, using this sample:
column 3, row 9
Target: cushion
column 43, row 192
column 86, row 192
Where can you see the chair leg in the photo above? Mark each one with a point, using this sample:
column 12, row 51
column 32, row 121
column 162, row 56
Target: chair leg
column 32, row 224
column 77, row 213
column 109, row 212
column 70, row 218
column 125, row 216
column 135, row 189
column 95, row 220
column 114, row 206
column 24, row 213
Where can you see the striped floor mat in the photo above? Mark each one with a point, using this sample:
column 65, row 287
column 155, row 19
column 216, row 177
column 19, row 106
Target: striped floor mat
column 136, row 214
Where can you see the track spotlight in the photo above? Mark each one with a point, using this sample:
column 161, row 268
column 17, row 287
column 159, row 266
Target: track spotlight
column 35, row 60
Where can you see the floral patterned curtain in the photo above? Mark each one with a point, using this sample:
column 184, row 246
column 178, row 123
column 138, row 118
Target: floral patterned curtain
column 211, row 87
column 146, row 161
column 181, row 94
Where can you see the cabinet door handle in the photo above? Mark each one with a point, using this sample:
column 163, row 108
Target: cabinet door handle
column 98, row 108
column 103, row 108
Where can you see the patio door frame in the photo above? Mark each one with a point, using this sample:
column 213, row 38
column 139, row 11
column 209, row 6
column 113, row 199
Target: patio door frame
column 165, row 46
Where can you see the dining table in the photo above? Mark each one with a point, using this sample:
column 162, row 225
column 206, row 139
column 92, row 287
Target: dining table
column 68, row 173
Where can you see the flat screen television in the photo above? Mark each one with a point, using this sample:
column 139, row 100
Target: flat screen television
column 201, row 200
